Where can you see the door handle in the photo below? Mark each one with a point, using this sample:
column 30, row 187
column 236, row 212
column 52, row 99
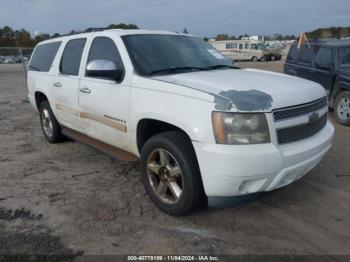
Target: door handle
column 58, row 84
column 85, row 90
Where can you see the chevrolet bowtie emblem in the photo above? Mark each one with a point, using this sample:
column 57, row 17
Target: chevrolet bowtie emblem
column 313, row 117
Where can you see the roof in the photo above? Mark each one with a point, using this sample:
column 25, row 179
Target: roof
column 113, row 32
column 329, row 42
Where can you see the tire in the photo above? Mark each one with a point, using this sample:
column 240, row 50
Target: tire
column 342, row 108
column 255, row 59
column 159, row 176
column 49, row 124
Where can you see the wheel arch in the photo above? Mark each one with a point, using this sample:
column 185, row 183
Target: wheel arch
column 338, row 87
column 148, row 127
column 39, row 98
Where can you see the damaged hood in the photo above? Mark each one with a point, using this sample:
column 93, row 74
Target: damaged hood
column 249, row 89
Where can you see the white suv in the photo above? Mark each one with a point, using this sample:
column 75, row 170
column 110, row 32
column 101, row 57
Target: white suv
column 202, row 128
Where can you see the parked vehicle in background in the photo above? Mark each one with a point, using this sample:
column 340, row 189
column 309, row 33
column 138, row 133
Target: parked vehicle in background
column 241, row 49
column 204, row 129
column 246, row 49
column 328, row 63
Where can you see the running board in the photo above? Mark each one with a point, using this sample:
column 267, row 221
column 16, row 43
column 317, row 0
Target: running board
column 108, row 149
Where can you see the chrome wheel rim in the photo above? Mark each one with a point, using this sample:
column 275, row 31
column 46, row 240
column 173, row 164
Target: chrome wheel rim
column 47, row 122
column 343, row 109
column 165, row 176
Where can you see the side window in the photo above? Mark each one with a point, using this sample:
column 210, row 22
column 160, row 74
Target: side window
column 43, row 57
column 105, row 48
column 231, row 46
column 307, row 54
column 344, row 57
column 254, row 46
column 70, row 62
column 324, row 56
column 240, row 46
column 246, row 46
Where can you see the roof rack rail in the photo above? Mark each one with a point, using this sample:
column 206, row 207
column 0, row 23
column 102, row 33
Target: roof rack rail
column 94, row 29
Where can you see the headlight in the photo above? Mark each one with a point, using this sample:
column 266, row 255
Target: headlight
column 240, row 128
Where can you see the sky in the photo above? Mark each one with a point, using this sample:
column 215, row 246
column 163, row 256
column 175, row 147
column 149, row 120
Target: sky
column 200, row 17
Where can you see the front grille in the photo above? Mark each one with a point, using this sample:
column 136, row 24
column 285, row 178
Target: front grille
column 295, row 111
column 295, row 133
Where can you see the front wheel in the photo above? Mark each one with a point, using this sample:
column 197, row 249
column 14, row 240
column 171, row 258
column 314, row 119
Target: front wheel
column 255, row 59
column 170, row 173
column 342, row 108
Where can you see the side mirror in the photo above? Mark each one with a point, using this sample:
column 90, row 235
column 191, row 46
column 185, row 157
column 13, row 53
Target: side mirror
column 104, row 69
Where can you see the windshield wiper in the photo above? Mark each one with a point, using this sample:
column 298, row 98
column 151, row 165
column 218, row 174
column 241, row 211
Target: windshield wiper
column 222, row 66
column 177, row 69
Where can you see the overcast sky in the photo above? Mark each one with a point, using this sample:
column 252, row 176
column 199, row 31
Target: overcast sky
column 200, row 17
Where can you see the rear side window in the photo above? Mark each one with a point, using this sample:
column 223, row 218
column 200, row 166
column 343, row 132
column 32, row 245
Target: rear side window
column 324, row 56
column 307, row 54
column 71, row 57
column 105, row 48
column 43, row 57
column 293, row 54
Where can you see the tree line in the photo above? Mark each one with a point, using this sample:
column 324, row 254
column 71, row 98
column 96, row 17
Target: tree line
column 331, row 32
column 22, row 38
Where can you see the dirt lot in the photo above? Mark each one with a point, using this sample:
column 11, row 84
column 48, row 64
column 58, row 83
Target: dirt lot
column 68, row 199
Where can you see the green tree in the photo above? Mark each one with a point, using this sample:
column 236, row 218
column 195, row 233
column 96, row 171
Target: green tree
column 122, row 26
column 221, row 37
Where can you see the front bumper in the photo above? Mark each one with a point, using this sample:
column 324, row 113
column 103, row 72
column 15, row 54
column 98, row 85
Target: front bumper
column 229, row 170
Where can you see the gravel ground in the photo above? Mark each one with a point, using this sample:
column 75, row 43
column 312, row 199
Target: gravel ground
column 69, row 199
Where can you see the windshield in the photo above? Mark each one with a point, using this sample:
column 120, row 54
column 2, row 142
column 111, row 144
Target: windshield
column 344, row 57
column 167, row 54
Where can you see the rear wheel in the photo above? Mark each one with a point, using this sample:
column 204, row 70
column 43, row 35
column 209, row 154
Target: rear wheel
column 49, row 124
column 170, row 173
column 342, row 108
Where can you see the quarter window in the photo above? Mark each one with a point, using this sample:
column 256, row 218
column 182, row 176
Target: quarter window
column 104, row 48
column 324, row 56
column 307, row 54
column 43, row 57
column 71, row 58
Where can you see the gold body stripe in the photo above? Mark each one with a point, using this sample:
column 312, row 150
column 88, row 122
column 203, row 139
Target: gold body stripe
column 99, row 119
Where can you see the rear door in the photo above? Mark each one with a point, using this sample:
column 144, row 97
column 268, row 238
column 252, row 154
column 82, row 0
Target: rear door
column 323, row 72
column 104, row 103
column 67, row 82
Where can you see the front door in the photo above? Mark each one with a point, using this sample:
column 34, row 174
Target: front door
column 104, row 103
column 66, row 84
column 324, row 68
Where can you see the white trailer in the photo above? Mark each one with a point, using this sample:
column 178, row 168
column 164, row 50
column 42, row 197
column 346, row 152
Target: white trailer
column 247, row 49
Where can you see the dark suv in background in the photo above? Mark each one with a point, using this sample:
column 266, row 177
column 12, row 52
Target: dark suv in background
column 328, row 63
